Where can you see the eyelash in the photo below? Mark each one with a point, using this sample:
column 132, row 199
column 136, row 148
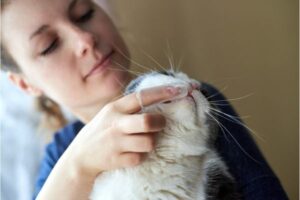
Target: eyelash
column 87, row 16
column 51, row 48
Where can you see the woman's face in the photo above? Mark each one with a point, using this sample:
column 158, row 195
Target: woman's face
column 68, row 49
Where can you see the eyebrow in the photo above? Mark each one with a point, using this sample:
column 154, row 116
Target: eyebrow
column 44, row 27
column 39, row 31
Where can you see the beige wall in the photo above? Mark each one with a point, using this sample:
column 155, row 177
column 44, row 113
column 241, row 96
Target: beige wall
column 245, row 46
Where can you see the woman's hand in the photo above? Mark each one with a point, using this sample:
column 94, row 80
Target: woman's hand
column 118, row 136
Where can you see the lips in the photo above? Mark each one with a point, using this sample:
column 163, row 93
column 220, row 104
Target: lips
column 100, row 66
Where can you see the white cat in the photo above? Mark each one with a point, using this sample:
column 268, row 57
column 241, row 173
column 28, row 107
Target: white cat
column 184, row 164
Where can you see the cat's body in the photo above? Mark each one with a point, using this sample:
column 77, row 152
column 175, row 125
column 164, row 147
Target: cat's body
column 184, row 164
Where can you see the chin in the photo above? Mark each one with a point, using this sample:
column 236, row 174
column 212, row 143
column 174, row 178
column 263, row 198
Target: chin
column 115, row 86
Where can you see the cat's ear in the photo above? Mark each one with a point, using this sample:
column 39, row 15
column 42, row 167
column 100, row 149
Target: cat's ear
column 23, row 83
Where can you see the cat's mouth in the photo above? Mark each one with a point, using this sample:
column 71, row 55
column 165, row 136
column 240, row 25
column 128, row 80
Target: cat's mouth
column 188, row 97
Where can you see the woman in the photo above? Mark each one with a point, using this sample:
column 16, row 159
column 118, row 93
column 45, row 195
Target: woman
column 70, row 52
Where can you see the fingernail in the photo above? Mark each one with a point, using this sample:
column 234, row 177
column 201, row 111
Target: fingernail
column 177, row 91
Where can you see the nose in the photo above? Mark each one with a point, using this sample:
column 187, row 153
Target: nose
column 84, row 41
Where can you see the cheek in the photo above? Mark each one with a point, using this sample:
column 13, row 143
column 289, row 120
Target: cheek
column 58, row 81
column 62, row 90
column 58, row 75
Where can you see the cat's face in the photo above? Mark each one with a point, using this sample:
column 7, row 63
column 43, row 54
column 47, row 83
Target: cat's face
column 189, row 111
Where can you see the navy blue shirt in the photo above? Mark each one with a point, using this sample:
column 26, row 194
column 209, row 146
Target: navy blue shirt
column 255, row 179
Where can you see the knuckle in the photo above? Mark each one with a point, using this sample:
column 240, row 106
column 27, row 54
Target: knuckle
column 163, row 120
column 110, row 106
column 116, row 124
column 147, row 122
column 114, row 160
column 133, row 160
column 149, row 144
column 107, row 108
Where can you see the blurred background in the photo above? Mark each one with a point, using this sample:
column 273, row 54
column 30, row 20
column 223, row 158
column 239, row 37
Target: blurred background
column 247, row 49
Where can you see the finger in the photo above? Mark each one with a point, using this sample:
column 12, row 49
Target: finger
column 131, row 103
column 141, row 123
column 129, row 159
column 137, row 143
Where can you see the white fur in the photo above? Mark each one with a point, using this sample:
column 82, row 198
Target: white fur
column 176, row 168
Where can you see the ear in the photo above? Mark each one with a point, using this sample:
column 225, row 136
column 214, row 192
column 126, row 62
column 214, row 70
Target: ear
column 22, row 83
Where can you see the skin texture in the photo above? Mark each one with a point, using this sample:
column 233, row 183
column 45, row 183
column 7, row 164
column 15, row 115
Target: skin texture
column 58, row 62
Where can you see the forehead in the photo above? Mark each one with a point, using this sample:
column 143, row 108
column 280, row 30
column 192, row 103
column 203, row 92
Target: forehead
column 21, row 17
column 23, row 13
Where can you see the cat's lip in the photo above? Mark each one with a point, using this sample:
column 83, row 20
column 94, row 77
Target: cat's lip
column 190, row 95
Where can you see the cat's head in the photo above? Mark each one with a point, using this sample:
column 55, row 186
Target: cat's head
column 187, row 113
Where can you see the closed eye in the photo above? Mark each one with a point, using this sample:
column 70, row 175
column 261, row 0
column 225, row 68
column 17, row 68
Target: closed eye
column 167, row 73
column 50, row 48
column 86, row 16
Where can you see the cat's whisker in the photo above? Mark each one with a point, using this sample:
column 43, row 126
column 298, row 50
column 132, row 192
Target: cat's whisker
column 122, row 85
column 235, row 99
column 133, row 61
column 170, row 57
column 219, row 92
column 239, row 145
column 135, row 73
column 237, row 121
column 181, row 144
column 153, row 59
column 220, row 104
column 179, row 63
column 126, row 69
column 123, row 68
column 216, row 110
column 171, row 64
column 133, row 44
column 240, row 117
column 218, row 125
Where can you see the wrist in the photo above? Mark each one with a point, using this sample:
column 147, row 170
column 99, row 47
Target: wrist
column 78, row 166
column 69, row 179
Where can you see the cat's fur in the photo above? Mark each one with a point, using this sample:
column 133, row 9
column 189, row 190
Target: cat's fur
column 184, row 164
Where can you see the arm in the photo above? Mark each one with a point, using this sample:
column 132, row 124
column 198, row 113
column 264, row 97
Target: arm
column 255, row 179
column 54, row 151
column 68, row 181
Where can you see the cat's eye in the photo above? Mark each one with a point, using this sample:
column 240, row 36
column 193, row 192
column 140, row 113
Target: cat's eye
column 167, row 73
column 167, row 102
